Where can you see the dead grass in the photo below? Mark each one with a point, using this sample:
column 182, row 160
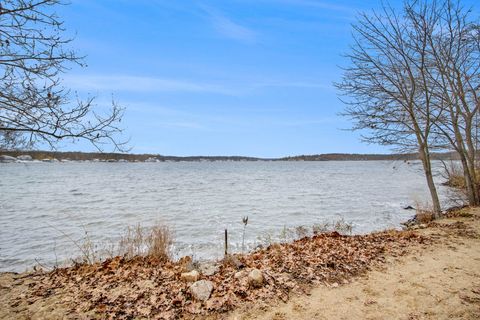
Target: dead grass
column 294, row 233
column 155, row 241
column 463, row 212
column 424, row 213
column 140, row 241
column 454, row 175
column 425, row 217
column 159, row 242
column 341, row 226
column 132, row 243
column 456, row 181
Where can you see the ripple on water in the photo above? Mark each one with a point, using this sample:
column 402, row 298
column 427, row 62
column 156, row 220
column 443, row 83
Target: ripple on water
column 43, row 204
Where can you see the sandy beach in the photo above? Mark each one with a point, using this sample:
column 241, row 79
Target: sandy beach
column 438, row 282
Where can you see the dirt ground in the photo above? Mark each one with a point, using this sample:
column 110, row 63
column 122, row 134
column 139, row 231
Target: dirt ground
column 441, row 282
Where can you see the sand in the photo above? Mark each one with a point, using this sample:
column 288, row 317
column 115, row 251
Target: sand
column 440, row 282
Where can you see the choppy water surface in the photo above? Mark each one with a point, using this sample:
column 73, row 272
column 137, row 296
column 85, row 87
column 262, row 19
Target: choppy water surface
column 44, row 206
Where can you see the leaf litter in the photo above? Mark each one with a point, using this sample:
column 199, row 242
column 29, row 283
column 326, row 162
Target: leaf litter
column 151, row 288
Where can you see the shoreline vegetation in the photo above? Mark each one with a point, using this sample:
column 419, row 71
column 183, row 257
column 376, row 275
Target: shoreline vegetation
column 52, row 156
column 249, row 285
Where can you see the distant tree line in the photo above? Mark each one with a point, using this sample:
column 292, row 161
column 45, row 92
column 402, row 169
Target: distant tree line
column 371, row 157
column 82, row 156
column 413, row 83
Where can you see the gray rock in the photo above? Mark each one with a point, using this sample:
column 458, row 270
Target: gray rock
column 186, row 263
column 208, row 269
column 240, row 274
column 191, row 276
column 255, row 278
column 233, row 261
column 25, row 157
column 201, row 290
column 7, row 159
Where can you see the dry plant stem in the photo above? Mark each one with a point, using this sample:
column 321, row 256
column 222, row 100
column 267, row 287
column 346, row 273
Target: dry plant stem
column 155, row 241
column 85, row 248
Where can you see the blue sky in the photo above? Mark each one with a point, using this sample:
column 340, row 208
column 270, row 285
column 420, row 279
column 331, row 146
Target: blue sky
column 236, row 77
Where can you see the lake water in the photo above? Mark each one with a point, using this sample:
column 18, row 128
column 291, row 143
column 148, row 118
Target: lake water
column 43, row 206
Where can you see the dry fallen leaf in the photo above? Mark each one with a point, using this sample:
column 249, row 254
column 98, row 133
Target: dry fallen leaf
column 121, row 288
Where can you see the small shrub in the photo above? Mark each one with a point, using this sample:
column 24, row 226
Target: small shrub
column 321, row 227
column 459, row 212
column 132, row 243
column 155, row 241
column 265, row 239
column 425, row 217
column 301, row 231
column 284, row 234
column 342, row 227
column 89, row 252
column 454, row 175
column 159, row 242
column 424, row 213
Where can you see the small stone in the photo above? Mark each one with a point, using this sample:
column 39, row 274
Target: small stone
column 255, row 278
column 208, row 269
column 239, row 274
column 186, row 264
column 234, row 262
column 191, row 276
column 201, row 290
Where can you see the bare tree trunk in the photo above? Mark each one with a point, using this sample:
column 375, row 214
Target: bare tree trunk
column 467, row 174
column 471, row 150
column 469, row 184
column 427, row 167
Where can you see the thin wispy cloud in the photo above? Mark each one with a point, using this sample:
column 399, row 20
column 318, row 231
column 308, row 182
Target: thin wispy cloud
column 145, row 84
column 222, row 118
column 180, row 125
column 129, row 83
column 227, row 27
column 309, row 122
column 327, row 5
column 294, row 84
column 330, row 7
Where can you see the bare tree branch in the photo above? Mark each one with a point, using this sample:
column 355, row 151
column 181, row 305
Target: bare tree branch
column 34, row 106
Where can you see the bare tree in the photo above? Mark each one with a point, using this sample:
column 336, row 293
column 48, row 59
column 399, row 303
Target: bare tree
column 35, row 109
column 454, row 50
column 415, row 83
column 387, row 88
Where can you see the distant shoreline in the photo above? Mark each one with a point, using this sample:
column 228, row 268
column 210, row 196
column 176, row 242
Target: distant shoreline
column 130, row 157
